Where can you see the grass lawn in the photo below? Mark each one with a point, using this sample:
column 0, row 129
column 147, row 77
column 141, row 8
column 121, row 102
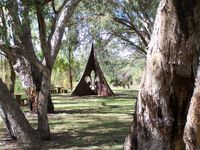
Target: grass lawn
column 80, row 123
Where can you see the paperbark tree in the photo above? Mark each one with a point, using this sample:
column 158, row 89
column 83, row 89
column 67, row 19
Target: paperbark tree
column 168, row 81
column 23, row 52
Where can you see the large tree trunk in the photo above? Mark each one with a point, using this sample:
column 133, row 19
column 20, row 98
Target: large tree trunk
column 31, row 80
column 18, row 122
column 192, row 127
column 38, row 97
column 168, row 80
column 37, row 79
column 23, row 69
column 23, row 53
column 9, row 128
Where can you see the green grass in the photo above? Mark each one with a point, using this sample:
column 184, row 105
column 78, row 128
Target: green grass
column 90, row 122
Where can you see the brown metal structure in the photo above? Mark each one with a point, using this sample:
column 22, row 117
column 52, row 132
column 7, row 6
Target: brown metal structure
column 92, row 81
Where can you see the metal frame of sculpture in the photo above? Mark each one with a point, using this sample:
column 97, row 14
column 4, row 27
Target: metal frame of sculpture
column 92, row 81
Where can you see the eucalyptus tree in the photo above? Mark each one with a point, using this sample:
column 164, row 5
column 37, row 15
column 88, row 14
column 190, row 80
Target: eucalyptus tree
column 168, row 82
column 5, row 74
column 14, row 119
column 71, row 44
column 133, row 21
column 130, row 22
column 18, row 46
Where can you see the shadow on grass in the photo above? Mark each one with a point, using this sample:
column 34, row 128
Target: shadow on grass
column 109, row 109
column 107, row 126
column 100, row 134
column 118, row 94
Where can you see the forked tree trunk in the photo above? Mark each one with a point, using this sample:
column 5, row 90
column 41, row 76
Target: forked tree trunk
column 167, row 84
column 39, row 99
column 24, row 49
column 18, row 122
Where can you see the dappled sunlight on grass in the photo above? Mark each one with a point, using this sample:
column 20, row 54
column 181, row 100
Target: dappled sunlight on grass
column 89, row 122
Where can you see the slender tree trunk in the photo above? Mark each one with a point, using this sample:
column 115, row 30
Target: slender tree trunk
column 70, row 77
column 18, row 122
column 12, row 78
column 43, row 125
column 167, row 84
column 70, row 60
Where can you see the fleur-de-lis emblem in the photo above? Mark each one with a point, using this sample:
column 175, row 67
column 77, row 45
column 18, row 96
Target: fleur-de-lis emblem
column 92, row 79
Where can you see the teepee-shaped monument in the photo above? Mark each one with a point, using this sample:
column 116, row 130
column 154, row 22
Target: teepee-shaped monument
column 92, row 81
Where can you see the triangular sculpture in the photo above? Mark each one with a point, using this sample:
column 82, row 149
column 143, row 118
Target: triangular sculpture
column 92, row 81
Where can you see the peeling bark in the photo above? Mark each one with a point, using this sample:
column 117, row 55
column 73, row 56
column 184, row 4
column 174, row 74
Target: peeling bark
column 23, row 54
column 167, row 84
column 192, row 127
column 23, row 69
column 12, row 78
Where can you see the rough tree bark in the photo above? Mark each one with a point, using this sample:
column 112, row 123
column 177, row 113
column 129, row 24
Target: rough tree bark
column 37, row 80
column 50, row 46
column 167, row 84
column 12, row 78
column 9, row 128
column 43, row 125
column 70, row 59
column 192, row 127
column 24, row 55
column 18, row 122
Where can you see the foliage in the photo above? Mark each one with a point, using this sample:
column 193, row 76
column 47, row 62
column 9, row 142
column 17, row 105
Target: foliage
column 67, row 66
column 120, row 32
column 128, row 22
column 60, row 73
column 102, row 22
column 18, row 87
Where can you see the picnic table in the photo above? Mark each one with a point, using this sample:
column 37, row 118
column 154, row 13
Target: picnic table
column 59, row 89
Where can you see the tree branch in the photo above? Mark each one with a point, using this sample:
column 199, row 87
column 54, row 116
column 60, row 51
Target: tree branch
column 130, row 42
column 63, row 17
column 13, row 52
column 42, row 30
column 53, row 6
column 17, row 25
column 3, row 54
